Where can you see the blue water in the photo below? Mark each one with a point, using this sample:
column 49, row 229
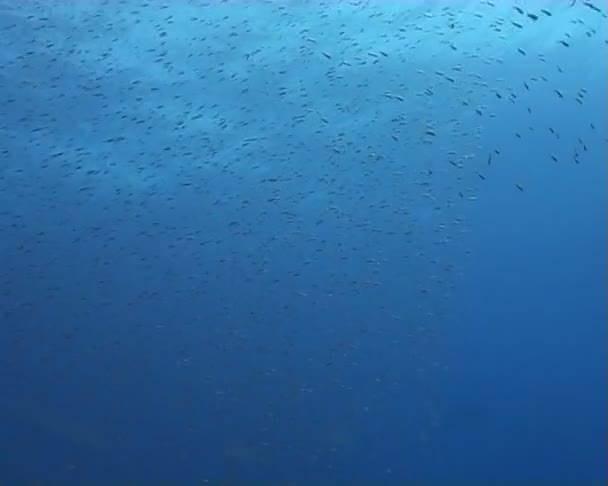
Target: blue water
column 303, row 242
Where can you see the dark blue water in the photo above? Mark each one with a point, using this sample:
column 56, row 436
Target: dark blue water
column 302, row 242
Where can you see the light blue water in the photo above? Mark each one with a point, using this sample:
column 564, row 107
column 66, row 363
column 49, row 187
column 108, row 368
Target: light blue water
column 302, row 242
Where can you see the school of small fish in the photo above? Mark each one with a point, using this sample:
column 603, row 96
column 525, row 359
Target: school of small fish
column 277, row 183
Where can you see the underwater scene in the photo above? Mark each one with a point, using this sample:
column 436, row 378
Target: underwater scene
column 332, row 242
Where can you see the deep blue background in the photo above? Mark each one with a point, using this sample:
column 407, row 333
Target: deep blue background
column 322, row 304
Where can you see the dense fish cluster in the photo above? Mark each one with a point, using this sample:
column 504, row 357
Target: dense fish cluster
column 269, row 187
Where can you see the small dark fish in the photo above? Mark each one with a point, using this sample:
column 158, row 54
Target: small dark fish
column 591, row 6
